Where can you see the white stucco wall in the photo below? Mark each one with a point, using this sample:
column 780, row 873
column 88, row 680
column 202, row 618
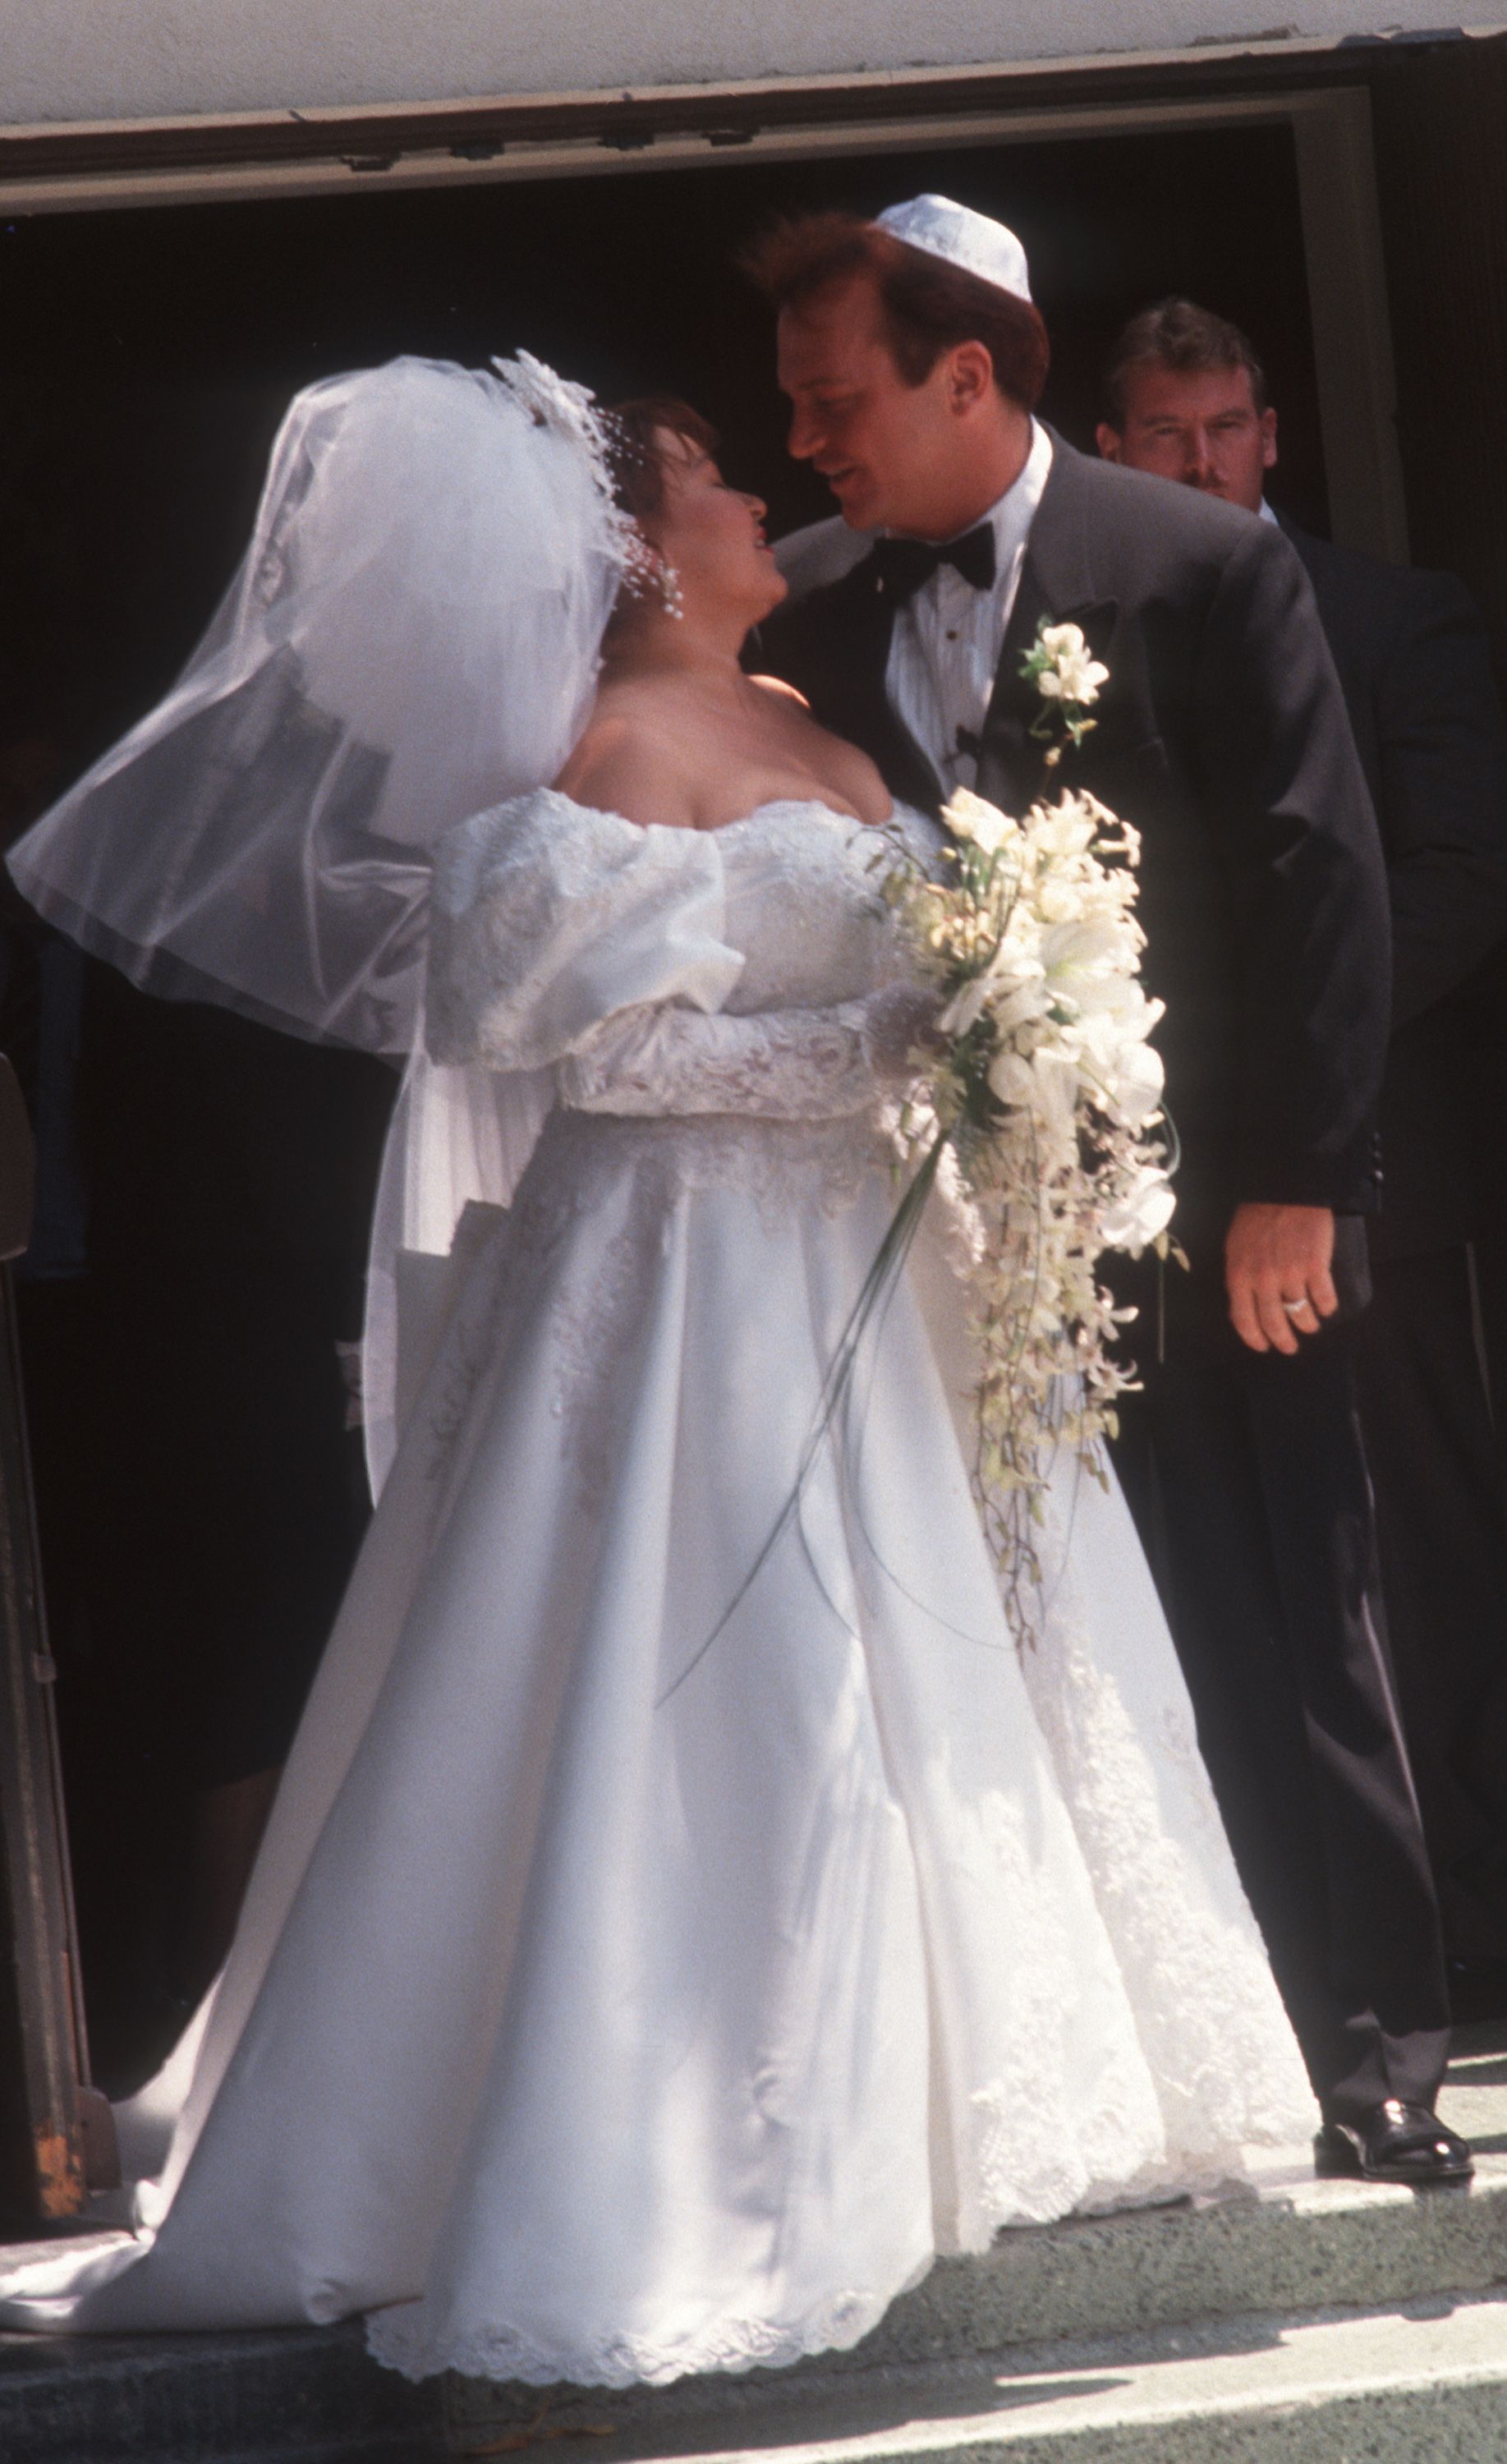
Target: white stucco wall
column 105, row 60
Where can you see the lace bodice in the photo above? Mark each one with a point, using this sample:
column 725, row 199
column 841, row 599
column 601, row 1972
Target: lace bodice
column 750, row 970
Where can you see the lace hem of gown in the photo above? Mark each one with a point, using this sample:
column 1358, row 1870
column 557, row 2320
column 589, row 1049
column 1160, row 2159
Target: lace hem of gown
column 1202, row 1989
column 403, row 2338
column 400, row 2338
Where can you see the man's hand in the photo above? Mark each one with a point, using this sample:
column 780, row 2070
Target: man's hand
column 1273, row 1256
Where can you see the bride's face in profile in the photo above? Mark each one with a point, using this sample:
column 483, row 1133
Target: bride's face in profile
column 712, row 535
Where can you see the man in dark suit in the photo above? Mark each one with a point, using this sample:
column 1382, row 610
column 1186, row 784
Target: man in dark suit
column 1187, row 399
column 912, row 358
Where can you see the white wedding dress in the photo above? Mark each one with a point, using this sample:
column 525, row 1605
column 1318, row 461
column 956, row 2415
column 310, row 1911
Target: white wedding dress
column 626, row 1987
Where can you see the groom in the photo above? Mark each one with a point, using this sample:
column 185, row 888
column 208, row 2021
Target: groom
column 912, row 358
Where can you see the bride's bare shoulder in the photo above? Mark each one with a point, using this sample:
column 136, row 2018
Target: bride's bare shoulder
column 627, row 762
column 836, row 765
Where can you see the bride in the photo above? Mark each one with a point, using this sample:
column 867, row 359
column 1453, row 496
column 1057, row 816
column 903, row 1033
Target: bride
column 647, row 1969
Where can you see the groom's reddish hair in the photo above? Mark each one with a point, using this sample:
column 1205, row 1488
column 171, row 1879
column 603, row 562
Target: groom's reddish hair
column 927, row 305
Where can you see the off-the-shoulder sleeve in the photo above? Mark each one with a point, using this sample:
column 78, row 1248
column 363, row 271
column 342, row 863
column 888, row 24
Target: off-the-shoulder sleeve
column 548, row 917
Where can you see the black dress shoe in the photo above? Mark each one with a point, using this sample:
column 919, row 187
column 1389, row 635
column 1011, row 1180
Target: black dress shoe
column 1393, row 2143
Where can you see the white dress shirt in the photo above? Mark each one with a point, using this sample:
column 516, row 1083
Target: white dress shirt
column 944, row 651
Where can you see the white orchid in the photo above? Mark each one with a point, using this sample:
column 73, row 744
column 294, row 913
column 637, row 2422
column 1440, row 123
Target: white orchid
column 966, row 1008
column 1017, row 1002
column 1081, row 954
column 1011, row 1078
column 1070, row 827
column 968, row 817
column 1055, row 1090
column 1140, row 1214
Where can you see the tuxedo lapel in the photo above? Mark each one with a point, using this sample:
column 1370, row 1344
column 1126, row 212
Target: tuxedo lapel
column 1009, row 761
column 857, row 616
column 1058, row 587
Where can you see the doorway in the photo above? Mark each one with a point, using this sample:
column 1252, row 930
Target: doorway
column 211, row 1177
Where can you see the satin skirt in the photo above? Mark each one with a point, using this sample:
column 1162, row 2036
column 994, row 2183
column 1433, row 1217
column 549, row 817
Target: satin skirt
column 666, row 1943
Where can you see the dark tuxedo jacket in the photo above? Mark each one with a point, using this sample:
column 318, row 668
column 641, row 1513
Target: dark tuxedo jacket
column 1222, row 735
column 1415, row 664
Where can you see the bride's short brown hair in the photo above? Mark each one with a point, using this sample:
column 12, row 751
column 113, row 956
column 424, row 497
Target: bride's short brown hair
column 929, row 306
column 632, row 430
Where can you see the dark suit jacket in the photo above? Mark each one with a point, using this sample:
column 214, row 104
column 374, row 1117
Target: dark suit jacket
column 1415, row 664
column 1222, row 735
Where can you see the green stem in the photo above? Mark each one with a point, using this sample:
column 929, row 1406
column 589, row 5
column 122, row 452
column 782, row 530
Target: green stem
column 889, row 1259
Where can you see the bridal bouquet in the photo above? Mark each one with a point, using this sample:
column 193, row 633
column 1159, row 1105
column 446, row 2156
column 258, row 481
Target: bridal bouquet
column 1039, row 1079
column 1039, row 1090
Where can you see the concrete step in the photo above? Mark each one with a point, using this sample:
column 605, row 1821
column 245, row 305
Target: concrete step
column 1284, row 2264
column 1293, row 2245
column 308, row 2395
column 1420, row 2383
column 1425, row 2383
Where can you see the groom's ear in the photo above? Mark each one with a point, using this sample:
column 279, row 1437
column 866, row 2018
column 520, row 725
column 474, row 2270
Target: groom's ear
column 971, row 376
column 1111, row 445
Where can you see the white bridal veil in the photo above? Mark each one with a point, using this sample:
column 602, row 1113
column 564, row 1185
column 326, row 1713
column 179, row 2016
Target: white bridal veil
column 412, row 636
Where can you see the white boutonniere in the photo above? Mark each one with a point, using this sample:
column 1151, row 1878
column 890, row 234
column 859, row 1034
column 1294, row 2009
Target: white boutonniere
column 1067, row 678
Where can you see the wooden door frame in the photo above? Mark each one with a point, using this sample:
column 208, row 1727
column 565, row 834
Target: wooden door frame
column 56, row 2138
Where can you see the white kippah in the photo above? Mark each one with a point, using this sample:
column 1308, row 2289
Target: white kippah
column 963, row 238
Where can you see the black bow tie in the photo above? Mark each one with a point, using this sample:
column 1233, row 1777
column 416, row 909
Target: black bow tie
column 903, row 564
